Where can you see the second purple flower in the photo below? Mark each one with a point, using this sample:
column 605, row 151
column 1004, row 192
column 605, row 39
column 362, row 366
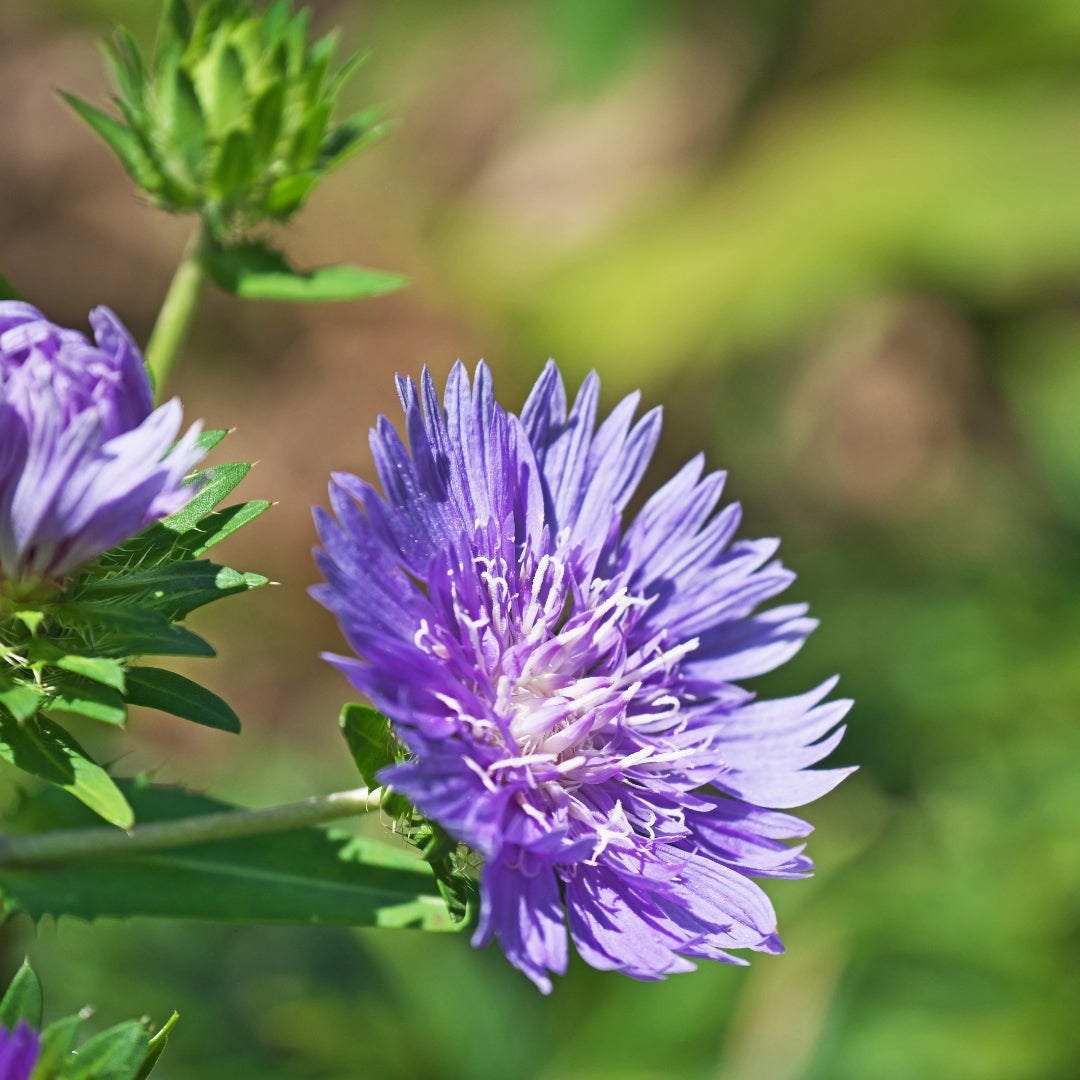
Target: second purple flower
column 567, row 687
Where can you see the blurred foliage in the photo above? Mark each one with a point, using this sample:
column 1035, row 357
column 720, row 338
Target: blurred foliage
column 841, row 242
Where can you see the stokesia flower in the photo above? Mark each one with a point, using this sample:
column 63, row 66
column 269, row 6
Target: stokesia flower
column 567, row 688
column 84, row 461
column 19, row 1050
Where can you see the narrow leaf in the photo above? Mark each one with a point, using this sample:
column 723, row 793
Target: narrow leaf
column 123, row 142
column 88, row 699
column 46, row 750
column 57, row 1043
column 216, row 483
column 99, row 669
column 20, row 700
column 156, row 1048
column 7, row 290
column 189, row 125
column 115, row 1054
column 235, row 167
column 22, row 1000
column 156, row 688
column 266, row 121
column 350, row 137
column 287, row 195
column 222, row 523
column 228, row 98
column 367, row 733
column 125, row 631
column 208, row 439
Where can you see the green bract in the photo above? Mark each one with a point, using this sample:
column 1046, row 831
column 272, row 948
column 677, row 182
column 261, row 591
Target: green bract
column 81, row 650
column 233, row 117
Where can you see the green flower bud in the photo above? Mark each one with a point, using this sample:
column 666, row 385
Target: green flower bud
column 232, row 119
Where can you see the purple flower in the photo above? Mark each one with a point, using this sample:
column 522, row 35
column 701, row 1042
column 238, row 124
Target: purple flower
column 567, row 688
column 19, row 1049
column 84, row 462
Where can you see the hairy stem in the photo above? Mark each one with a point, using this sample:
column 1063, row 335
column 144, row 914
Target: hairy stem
column 177, row 311
column 65, row 845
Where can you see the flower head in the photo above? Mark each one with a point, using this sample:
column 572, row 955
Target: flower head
column 19, row 1050
column 84, row 462
column 567, row 688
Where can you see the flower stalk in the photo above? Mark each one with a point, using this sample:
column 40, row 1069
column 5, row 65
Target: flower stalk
column 68, row 845
column 177, row 311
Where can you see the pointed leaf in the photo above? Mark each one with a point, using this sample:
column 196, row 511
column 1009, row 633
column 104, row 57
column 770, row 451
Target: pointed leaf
column 367, row 733
column 266, row 121
column 208, row 439
column 100, row 669
column 222, row 523
column 216, row 483
column 20, row 700
column 115, row 1054
column 287, row 195
column 350, row 137
column 127, row 632
column 7, row 290
column 173, row 588
column 304, row 876
column 235, row 167
column 46, row 750
column 156, row 1047
column 88, row 699
column 57, row 1043
column 309, row 136
column 156, row 688
column 189, row 125
column 125, row 65
column 123, row 142
column 22, row 1000
column 228, row 98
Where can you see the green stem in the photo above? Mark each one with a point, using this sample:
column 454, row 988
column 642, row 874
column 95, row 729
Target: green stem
column 177, row 311
column 65, row 845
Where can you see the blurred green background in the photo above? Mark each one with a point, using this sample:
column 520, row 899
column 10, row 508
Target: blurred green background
column 839, row 240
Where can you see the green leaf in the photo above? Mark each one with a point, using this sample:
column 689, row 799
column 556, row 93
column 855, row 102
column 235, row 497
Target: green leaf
column 350, row 137
column 88, row 699
column 7, row 290
column 99, row 669
column 22, row 1000
column 189, row 125
column 126, row 632
column 20, row 700
column 235, row 167
column 222, row 523
column 287, row 195
column 319, row 57
column 125, row 65
column 177, row 18
column 208, row 439
column 123, row 142
column 266, row 121
column 172, row 588
column 216, row 483
column 57, row 1043
column 367, row 734
column 46, row 750
column 115, row 1054
column 305, row 876
column 309, row 136
column 256, row 272
column 228, row 98
column 156, row 1047
column 156, row 688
